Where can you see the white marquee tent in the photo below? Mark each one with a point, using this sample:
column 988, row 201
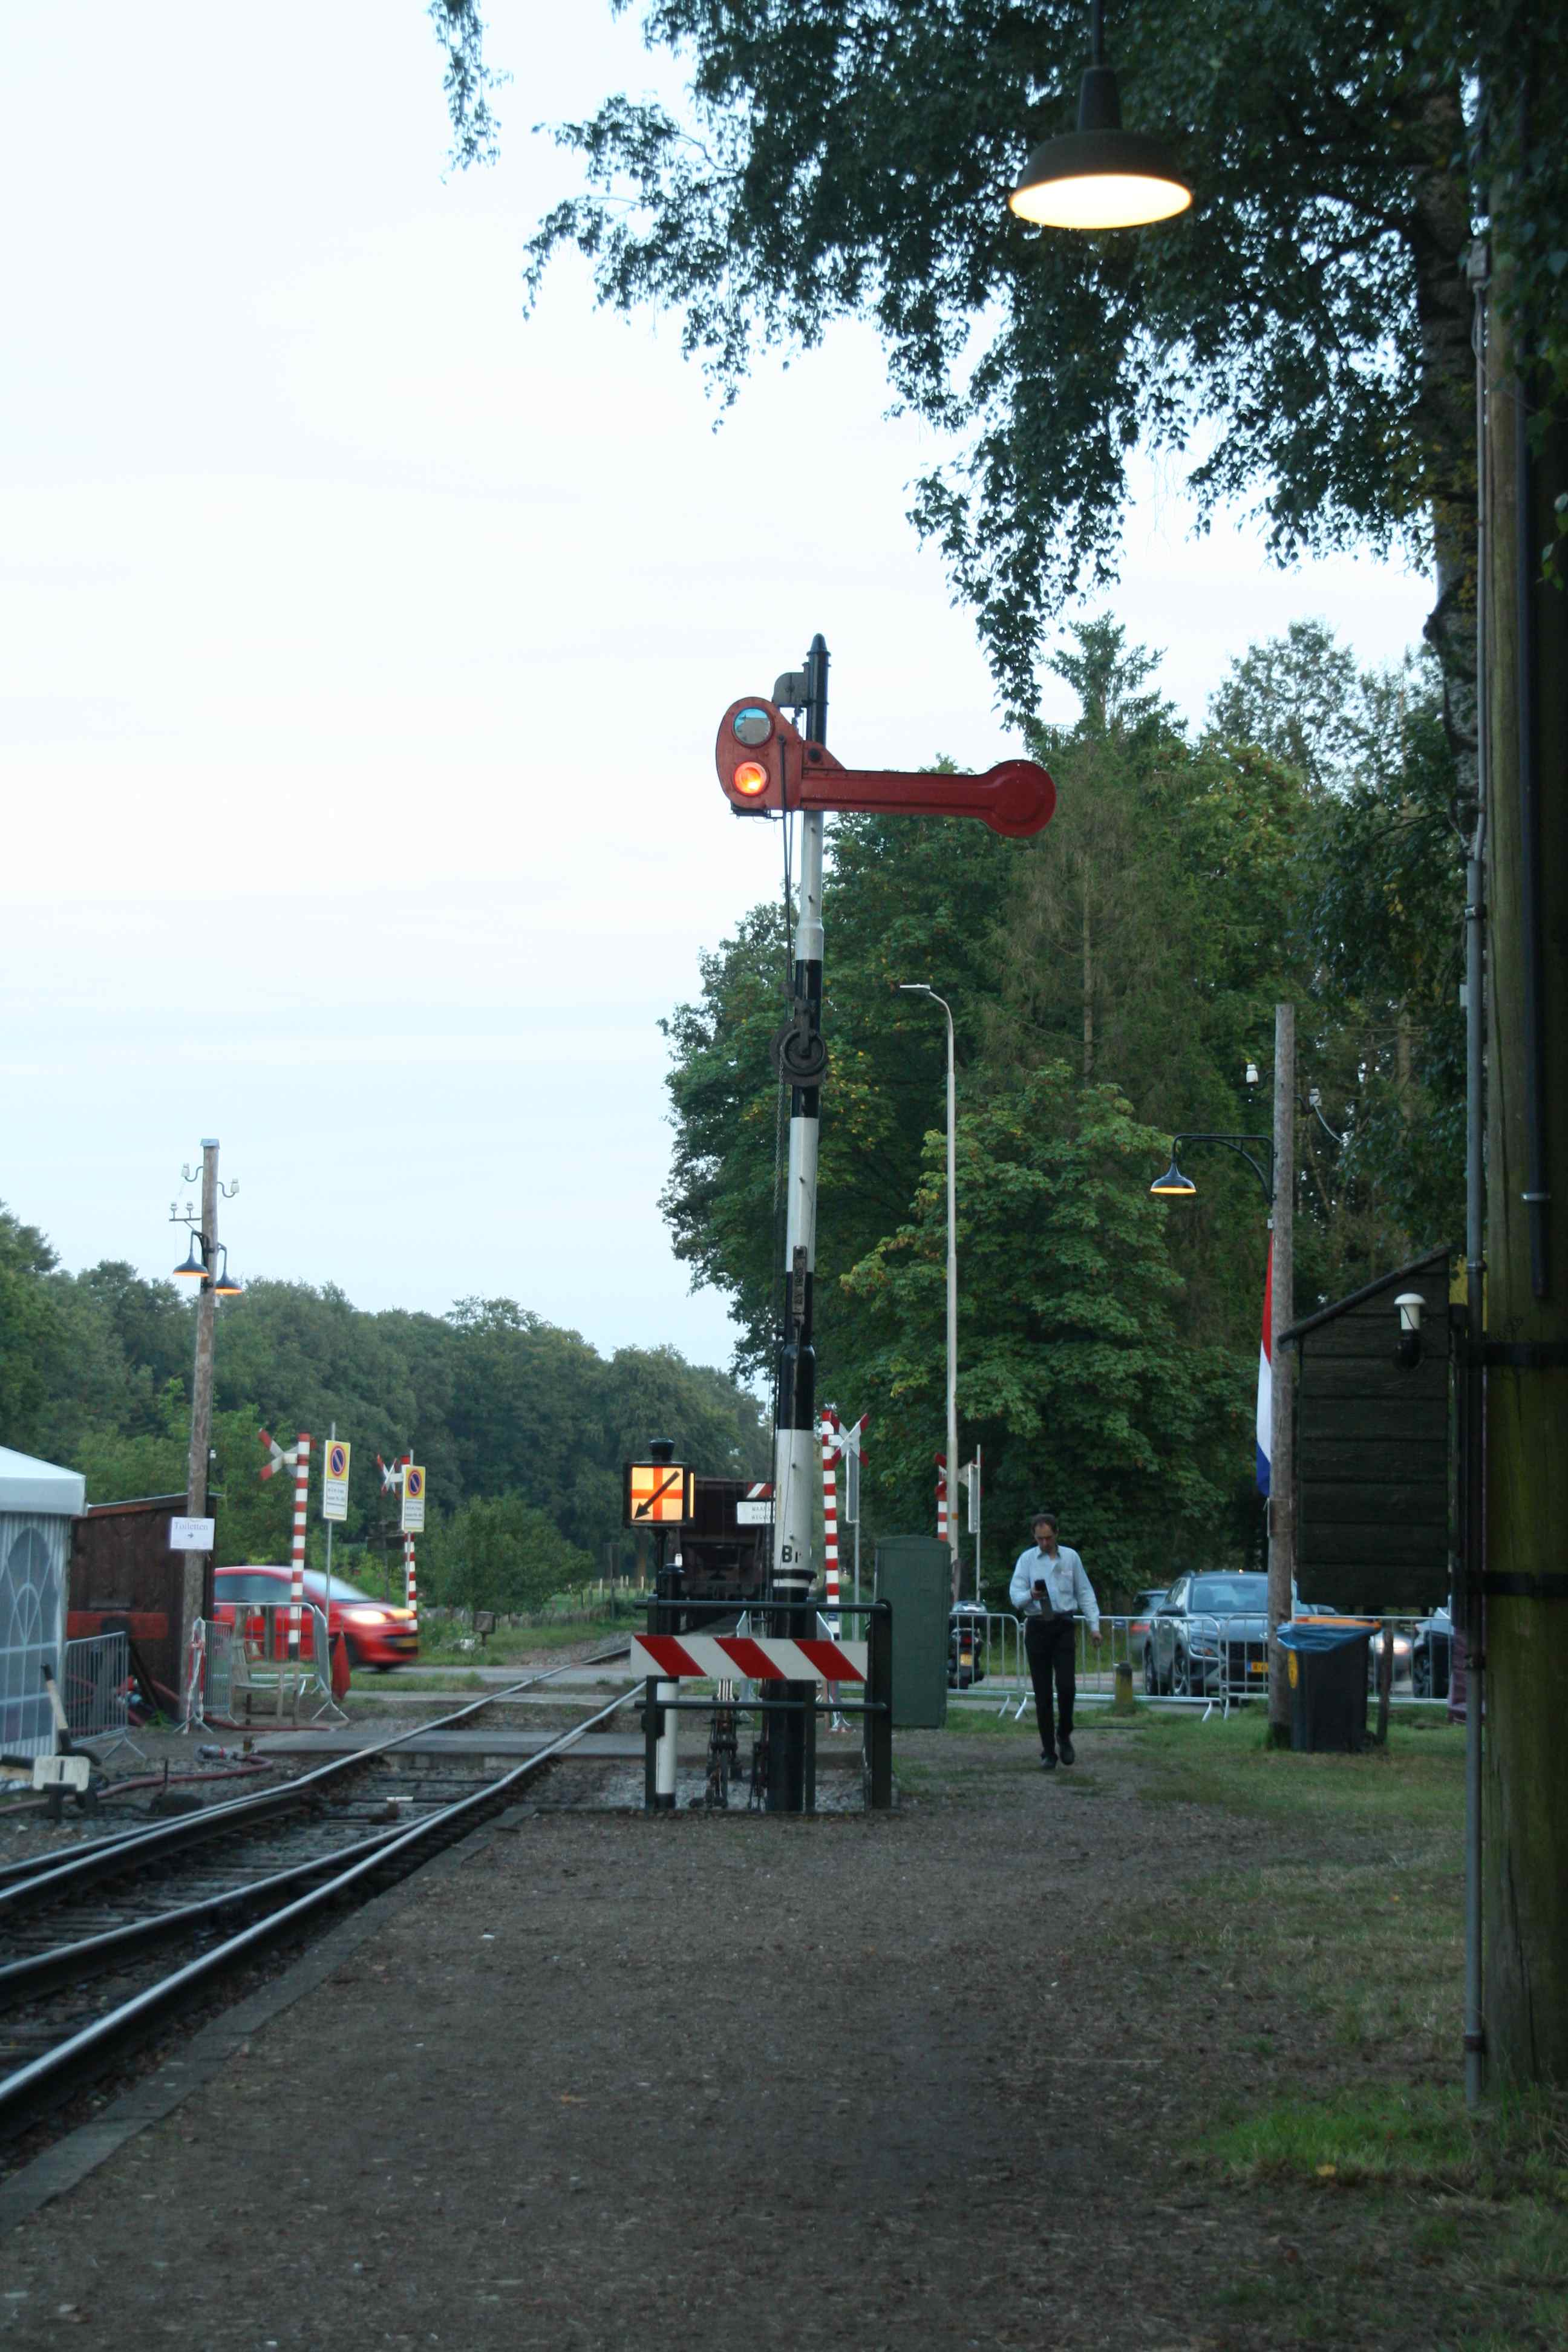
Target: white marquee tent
column 38, row 1503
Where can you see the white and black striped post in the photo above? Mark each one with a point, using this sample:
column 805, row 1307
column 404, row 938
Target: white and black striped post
column 796, row 1445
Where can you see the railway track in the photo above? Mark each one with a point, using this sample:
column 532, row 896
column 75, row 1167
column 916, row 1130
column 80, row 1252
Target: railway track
column 105, row 1946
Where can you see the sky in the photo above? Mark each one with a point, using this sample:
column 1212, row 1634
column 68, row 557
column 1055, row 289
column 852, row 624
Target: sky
column 363, row 645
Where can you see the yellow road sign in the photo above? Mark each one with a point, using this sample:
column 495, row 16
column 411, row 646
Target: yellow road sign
column 335, row 1479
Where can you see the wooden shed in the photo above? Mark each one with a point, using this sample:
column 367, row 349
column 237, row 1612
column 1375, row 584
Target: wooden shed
column 1373, row 1448
column 125, row 1580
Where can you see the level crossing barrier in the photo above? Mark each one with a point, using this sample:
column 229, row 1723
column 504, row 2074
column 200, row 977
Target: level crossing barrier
column 95, row 1687
column 768, row 1663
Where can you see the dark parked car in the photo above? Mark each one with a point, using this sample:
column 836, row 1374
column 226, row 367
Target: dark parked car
column 1208, row 1636
column 1140, row 1616
column 1432, row 1655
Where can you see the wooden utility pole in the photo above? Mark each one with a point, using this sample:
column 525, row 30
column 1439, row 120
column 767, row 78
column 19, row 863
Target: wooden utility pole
column 1283, row 1362
column 193, row 1580
column 1524, row 1634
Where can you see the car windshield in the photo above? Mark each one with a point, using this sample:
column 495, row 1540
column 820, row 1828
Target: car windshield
column 1144, row 1601
column 1229, row 1595
column 316, row 1585
column 270, row 1585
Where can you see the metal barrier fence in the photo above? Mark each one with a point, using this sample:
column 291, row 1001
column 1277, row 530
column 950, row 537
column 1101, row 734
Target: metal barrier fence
column 1217, row 1663
column 220, row 1674
column 96, row 1689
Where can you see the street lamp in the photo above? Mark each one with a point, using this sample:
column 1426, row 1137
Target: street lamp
column 1276, row 1175
column 1099, row 175
column 1176, row 1184
column 920, row 988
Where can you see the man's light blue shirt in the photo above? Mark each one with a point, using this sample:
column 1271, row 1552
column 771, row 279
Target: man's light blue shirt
column 1068, row 1587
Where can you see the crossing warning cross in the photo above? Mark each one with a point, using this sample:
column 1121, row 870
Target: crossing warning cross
column 660, row 1495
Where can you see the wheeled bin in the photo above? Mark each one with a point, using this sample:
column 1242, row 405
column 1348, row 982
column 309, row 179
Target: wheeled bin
column 1326, row 1667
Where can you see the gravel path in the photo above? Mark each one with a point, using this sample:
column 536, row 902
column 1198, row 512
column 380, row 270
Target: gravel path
column 925, row 2080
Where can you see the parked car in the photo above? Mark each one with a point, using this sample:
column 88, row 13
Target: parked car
column 965, row 1645
column 1403, row 1647
column 1432, row 1655
column 1209, row 1635
column 379, row 1633
column 1144, row 1605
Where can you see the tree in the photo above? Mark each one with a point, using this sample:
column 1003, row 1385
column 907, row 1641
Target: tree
column 1306, row 325
column 1073, row 1374
column 505, row 1554
column 31, row 1337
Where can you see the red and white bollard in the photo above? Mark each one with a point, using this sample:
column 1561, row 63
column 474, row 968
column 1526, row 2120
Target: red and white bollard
column 941, row 1499
column 297, row 1557
column 410, row 1582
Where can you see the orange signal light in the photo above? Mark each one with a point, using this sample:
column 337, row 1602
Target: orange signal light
column 751, row 778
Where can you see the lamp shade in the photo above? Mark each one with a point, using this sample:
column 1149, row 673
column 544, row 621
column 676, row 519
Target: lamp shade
column 1099, row 175
column 227, row 1285
column 1173, row 1184
column 194, row 1266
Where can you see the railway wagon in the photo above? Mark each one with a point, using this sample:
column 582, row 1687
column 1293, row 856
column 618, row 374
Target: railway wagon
column 722, row 1557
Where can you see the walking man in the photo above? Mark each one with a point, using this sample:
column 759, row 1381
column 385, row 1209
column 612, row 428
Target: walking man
column 1049, row 1584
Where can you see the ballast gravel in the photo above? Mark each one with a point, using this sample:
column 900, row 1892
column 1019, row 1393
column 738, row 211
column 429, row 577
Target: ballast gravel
column 714, row 2080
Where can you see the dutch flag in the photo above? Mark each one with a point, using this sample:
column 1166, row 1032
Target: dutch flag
column 1266, row 1377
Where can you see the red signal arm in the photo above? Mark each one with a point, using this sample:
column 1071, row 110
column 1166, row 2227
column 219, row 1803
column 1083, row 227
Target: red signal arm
column 1015, row 797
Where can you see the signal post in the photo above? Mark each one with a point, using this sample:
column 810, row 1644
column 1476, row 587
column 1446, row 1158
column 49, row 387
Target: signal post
column 767, row 767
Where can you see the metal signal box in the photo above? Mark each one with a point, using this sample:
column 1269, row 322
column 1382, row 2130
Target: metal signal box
column 915, row 1573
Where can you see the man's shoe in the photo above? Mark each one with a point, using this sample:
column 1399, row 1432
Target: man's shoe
column 1065, row 1744
column 1048, row 1763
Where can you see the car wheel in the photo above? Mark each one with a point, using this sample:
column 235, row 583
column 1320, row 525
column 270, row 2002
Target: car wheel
column 1181, row 1675
column 1151, row 1679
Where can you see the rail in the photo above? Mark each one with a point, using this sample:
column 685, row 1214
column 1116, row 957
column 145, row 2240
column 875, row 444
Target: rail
column 288, row 1902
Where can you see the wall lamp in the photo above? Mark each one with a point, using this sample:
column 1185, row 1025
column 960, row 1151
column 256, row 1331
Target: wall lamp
column 1408, row 1351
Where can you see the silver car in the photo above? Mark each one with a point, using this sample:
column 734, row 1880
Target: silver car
column 1208, row 1638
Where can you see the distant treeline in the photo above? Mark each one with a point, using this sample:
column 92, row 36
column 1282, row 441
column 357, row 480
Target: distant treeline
column 522, row 1427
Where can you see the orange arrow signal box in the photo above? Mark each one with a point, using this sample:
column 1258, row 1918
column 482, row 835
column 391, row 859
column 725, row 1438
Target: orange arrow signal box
column 766, row 766
column 660, row 1495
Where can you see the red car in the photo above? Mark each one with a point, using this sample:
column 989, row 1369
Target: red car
column 378, row 1634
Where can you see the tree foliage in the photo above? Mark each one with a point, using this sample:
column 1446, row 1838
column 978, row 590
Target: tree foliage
column 1300, row 339
column 95, row 1372
column 1112, row 981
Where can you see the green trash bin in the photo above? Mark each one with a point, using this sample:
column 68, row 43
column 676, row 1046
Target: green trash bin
column 1326, row 1667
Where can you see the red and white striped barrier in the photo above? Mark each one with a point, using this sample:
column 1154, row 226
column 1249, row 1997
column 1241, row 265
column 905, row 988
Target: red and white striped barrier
column 674, row 1656
column 297, row 1557
column 941, row 1499
column 410, row 1582
column 830, row 1511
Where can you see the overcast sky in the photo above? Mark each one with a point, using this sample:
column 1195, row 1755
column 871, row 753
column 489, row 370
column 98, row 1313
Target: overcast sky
column 363, row 645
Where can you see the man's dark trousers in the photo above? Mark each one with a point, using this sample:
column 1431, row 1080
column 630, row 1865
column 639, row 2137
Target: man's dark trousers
column 1048, row 1646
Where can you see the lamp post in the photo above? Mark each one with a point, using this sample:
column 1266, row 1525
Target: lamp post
column 1279, row 1191
column 201, row 1267
column 920, row 988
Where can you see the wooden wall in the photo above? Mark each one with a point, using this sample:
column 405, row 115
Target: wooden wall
column 1373, row 1454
